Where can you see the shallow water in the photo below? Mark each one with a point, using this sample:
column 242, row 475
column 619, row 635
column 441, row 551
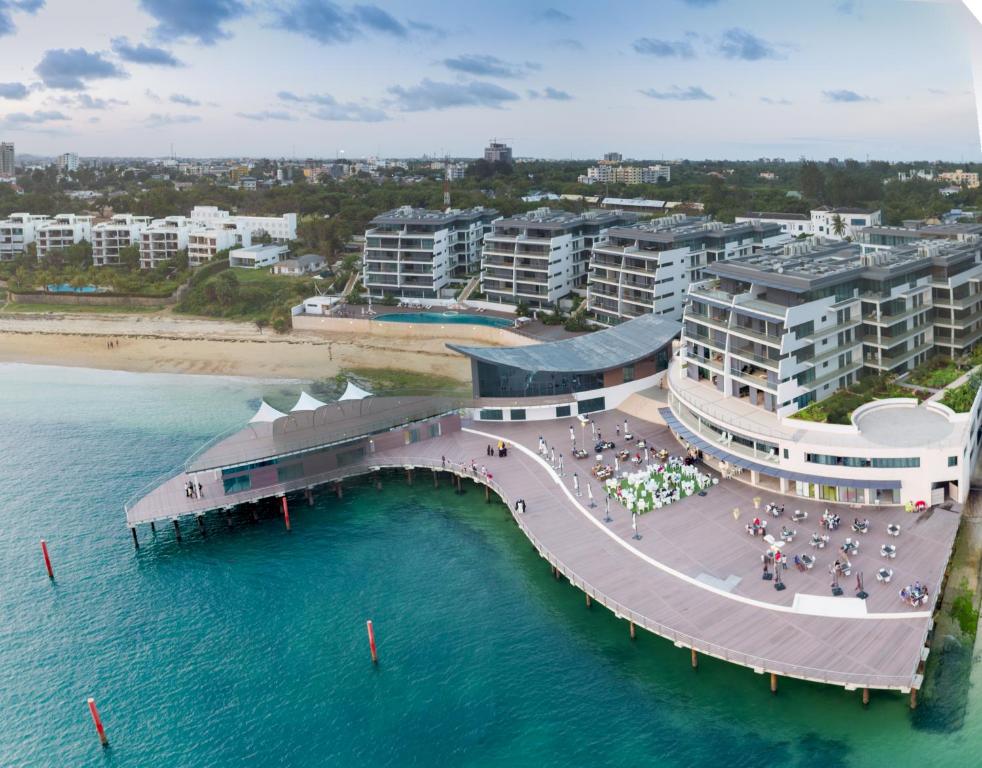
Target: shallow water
column 248, row 647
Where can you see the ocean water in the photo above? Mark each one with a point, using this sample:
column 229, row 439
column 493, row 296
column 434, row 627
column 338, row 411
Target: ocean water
column 247, row 647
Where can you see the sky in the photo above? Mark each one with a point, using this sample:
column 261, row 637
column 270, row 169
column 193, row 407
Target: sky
column 735, row 79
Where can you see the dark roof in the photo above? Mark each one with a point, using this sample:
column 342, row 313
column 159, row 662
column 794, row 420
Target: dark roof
column 613, row 347
column 777, row 215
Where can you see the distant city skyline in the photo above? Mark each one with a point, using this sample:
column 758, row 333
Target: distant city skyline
column 735, row 79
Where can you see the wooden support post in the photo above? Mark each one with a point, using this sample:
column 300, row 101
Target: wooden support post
column 338, row 490
column 913, row 698
column 695, row 658
column 201, row 524
column 310, row 497
column 286, row 513
column 228, row 517
column 371, row 642
column 255, row 516
column 409, row 476
column 588, row 601
column 177, row 529
column 865, row 697
column 436, row 479
column 773, row 682
column 487, row 493
column 97, row 721
column 378, row 481
column 153, row 528
column 633, row 633
column 47, row 560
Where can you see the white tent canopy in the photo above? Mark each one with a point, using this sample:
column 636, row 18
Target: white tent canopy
column 354, row 392
column 307, row 403
column 266, row 413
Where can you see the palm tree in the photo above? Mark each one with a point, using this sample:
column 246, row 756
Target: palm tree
column 838, row 225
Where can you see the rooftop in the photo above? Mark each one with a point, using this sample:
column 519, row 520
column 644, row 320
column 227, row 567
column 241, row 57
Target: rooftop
column 409, row 215
column 549, row 218
column 777, row 216
column 613, row 347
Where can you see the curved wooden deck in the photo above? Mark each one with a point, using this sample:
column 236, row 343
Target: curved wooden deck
column 694, row 576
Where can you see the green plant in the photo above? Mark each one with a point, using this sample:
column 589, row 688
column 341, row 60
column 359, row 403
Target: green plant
column 522, row 309
column 963, row 610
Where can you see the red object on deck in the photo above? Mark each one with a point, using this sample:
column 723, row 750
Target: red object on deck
column 98, row 723
column 371, row 642
column 47, row 560
column 286, row 513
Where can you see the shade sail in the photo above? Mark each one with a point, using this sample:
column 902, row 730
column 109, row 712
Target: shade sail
column 266, row 413
column 354, row 392
column 307, row 403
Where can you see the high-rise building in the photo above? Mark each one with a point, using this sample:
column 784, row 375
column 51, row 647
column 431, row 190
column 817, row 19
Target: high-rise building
column 68, row 162
column 497, row 152
column 6, row 159
column 613, row 157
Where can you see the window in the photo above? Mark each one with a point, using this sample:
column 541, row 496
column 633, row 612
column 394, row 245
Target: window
column 628, row 373
column 591, row 405
column 411, row 436
column 562, row 410
column 434, row 429
column 289, row 472
column 345, row 458
column 237, row 484
column 952, row 461
column 491, row 414
column 517, row 414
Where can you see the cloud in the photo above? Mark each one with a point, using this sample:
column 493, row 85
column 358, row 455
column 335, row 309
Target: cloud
column 37, row 117
column 742, row 44
column 700, row 3
column 427, row 29
column 143, row 54
column 13, row 91
column 430, row 94
column 692, row 93
column 555, row 16
column 187, row 101
column 201, row 20
column 151, row 95
column 845, row 96
column 569, row 43
column 85, row 101
column 938, row 91
column 266, row 115
column 70, row 69
column 650, row 46
column 9, row 7
column 550, row 94
column 487, row 66
column 320, row 20
column 781, row 102
column 846, row 7
column 158, row 120
column 375, row 18
column 326, row 107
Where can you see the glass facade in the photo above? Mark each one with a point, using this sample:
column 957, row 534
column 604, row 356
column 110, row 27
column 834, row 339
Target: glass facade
column 507, row 381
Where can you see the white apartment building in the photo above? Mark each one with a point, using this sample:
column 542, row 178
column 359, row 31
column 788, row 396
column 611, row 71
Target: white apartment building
column 825, row 222
column 64, row 230
column 961, row 178
column 647, row 267
column 793, row 224
column 256, row 256
column 161, row 241
column 18, row 231
column 204, row 244
column 110, row 237
column 67, row 163
column 414, row 253
column 279, row 228
column 627, row 174
column 541, row 256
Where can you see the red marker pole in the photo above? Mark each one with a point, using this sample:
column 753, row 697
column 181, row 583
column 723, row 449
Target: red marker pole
column 286, row 513
column 47, row 559
column 98, row 723
column 371, row 642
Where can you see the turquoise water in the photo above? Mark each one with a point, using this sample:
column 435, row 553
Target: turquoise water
column 446, row 319
column 66, row 288
column 248, row 648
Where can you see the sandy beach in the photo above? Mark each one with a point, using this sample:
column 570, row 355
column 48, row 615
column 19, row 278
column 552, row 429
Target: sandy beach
column 171, row 344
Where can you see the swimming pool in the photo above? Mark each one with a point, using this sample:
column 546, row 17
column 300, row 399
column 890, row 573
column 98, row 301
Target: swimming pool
column 66, row 288
column 445, row 318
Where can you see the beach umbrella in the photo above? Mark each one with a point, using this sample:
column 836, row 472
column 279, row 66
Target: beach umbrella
column 616, row 466
column 607, row 517
column 589, row 493
column 576, row 483
column 634, row 524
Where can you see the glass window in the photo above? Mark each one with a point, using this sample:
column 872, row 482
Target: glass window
column 289, row 472
column 628, row 373
column 952, row 461
column 435, row 429
column 353, row 456
column 517, row 414
column 411, row 436
column 591, row 405
column 491, row 414
column 562, row 410
column 237, row 484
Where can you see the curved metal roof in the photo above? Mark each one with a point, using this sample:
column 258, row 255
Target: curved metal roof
column 614, row 347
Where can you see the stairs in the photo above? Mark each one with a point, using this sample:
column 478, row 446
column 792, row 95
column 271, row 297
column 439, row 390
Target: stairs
column 468, row 289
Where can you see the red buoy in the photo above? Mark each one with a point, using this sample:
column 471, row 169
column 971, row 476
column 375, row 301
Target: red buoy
column 47, row 560
column 371, row 642
column 98, row 723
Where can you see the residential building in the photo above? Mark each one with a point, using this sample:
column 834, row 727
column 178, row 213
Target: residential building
column 613, row 157
column 7, row 158
column 301, row 265
column 961, row 178
column 842, row 223
column 110, row 237
column 67, row 163
column 256, row 256
column 414, row 252
column 647, row 267
column 63, row 231
column 883, row 236
column 793, row 224
column 627, row 174
column 541, row 256
column 205, row 244
column 279, row 228
column 926, row 174
column 163, row 239
column 18, row 231
column 497, row 152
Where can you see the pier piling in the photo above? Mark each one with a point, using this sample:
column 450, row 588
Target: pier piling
column 487, row 493
column 633, row 633
column 177, row 529
column 338, row 490
column 378, row 481
column 695, row 658
column 865, row 697
column 98, row 723
column 589, row 602
column 773, row 682
column 47, row 560
column 409, row 476
column 310, row 497
column 436, row 479
column 913, row 698
column 136, row 540
column 228, row 517
column 286, row 513
column 153, row 528
column 371, row 642
column 201, row 524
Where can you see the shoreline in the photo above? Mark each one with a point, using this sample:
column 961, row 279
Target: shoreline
column 167, row 344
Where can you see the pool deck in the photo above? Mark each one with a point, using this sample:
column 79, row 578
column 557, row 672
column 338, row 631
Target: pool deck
column 694, row 576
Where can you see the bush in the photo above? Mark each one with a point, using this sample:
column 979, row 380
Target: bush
column 963, row 610
column 960, row 399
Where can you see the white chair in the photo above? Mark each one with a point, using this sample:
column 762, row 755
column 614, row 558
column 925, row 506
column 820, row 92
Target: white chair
column 884, row 575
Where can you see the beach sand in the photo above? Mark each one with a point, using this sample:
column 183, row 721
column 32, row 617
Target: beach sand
column 169, row 344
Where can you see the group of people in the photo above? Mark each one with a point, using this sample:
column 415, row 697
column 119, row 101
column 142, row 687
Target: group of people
column 192, row 489
column 914, row 594
column 830, row 520
column 757, row 527
column 112, row 344
column 501, row 449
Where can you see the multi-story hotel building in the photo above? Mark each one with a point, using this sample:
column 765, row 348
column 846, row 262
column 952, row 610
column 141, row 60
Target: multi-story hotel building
column 110, row 237
column 280, row 228
column 64, row 230
column 769, row 334
column 961, row 178
column 161, row 241
column 647, row 267
column 204, row 244
column 541, row 256
column 414, row 252
column 18, row 231
column 613, row 173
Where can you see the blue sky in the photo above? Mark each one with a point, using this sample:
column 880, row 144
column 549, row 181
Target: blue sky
column 664, row 78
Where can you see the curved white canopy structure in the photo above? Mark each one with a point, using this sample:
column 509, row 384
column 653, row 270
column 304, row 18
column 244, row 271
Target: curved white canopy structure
column 266, row 413
column 354, row 392
column 307, row 403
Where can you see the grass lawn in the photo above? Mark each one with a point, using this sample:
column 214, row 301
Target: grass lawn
column 392, row 381
column 88, row 309
column 936, row 373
